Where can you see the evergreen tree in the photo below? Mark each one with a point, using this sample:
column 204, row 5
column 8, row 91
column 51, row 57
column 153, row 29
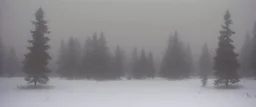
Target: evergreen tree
column 104, row 70
column 96, row 61
column 205, row 65
column 253, row 53
column 73, row 57
column 174, row 65
column 87, row 56
column 244, row 57
column 135, row 59
column 118, row 62
column 13, row 65
column 151, row 66
column 35, row 63
column 62, row 60
column 142, row 66
column 1, row 41
column 1, row 54
column 190, row 61
column 226, row 63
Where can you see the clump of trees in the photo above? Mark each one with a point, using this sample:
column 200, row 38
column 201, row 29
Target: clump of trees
column 177, row 62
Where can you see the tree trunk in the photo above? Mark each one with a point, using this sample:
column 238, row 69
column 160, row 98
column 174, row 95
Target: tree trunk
column 227, row 82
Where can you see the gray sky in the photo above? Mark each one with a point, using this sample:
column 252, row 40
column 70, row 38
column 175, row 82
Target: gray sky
column 130, row 23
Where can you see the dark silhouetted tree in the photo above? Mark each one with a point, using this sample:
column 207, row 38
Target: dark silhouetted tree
column 35, row 63
column 226, row 64
column 205, row 65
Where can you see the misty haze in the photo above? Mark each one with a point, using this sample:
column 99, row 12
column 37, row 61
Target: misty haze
column 127, row 53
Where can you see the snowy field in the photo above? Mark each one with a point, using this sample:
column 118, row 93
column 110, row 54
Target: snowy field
column 125, row 93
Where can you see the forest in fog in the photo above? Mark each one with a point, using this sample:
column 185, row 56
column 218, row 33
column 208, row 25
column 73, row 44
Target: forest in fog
column 93, row 58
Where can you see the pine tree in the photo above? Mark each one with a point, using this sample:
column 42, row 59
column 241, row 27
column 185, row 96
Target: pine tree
column 244, row 57
column 87, row 56
column 253, row 53
column 118, row 62
column 135, row 59
column 62, row 60
column 104, row 69
column 13, row 65
column 73, row 57
column 151, row 66
column 35, row 63
column 174, row 65
column 205, row 65
column 142, row 66
column 226, row 63
column 190, row 61
column 1, row 41
column 1, row 54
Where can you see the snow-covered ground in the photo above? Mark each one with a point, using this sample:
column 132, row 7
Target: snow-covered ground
column 125, row 93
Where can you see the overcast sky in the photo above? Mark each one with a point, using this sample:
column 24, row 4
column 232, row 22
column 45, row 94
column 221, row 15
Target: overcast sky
column 130, row 23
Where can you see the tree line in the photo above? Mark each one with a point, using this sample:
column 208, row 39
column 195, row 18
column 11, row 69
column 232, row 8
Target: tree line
column 94, row 60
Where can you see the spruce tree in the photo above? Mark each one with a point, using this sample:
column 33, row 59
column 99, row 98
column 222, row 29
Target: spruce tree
column 151, row 66
column 135, row 59
column 205, row 65
column 62, row 60
column 87, row 56
column 104, row 69
column 12, row 64
column 1, row 41
column 118, row 62
column 253, row 53
column 190, row 61
column 174, row 64
column 142, row 66
column 73, row 57
column 244, row 57
column 226, row 64
column 1, row 54
column 35, row 63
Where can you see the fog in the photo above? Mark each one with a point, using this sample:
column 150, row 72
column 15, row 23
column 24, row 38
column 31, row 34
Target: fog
column 129, row 23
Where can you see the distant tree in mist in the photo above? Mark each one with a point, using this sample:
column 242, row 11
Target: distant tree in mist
column 244, row 57
column 72, row 58
column 1, row 53
column 175, row 64
column 141, row 72
column 1, row 41
column 135, row 59
column 190, row 61
column 118, row 65
column 12, row 64
column 253, row 53
column 62, row 60
column 205, row 65
column 36, row 60
column 97, row 61
column 226, row 64
column 151, row 66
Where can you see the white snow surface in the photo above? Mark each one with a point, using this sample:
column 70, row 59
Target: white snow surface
column 14, row 92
